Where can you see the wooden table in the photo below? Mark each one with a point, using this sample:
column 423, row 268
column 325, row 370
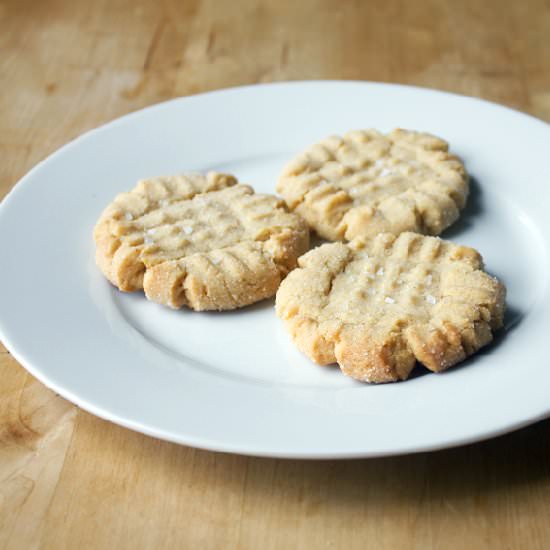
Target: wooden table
column 70, row 480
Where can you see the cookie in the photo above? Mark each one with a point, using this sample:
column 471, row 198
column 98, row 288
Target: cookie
column 206, row 242
column 366, row 183
column 376, row 307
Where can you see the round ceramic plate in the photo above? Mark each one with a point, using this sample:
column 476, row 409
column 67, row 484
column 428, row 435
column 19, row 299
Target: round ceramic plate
column 233, row 381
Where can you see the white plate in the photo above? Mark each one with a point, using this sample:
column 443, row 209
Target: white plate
column 233, row 381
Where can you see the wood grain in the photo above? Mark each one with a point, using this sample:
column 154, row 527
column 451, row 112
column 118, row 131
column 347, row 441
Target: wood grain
column 70, row 480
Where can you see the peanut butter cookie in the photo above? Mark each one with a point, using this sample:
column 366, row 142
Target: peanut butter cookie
column 205, row 242
column 366, row 183
column 376, row 307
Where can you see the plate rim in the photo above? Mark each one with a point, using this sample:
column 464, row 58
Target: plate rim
column 283, row 83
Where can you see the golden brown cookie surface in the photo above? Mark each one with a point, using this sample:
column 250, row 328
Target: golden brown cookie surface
column 366, row 183
column 206, row 242
column 376, row 307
